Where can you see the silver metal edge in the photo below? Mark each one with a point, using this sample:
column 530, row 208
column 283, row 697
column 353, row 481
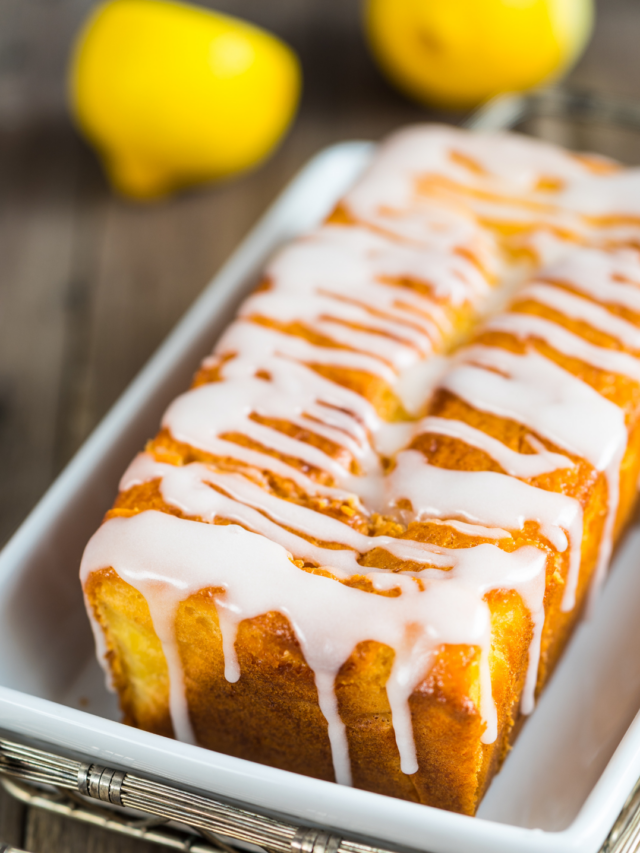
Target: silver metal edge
column 66, row 780
column 207, row 816
column 505, row 111
column 67, row 805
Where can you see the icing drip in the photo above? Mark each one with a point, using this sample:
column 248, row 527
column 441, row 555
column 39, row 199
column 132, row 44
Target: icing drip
column 163, row 615
column 473, row 529
column 251, row 343
column 608, row 196
column 394, row 193
column 188, row 489
column 355, row 260
column 525, row 326
column 522, row 465
column 168, row 559
column 442, row 493
column 611, row 277
column 595, row 281
column 535, row 392
column 422, row 173
column 415, row 385
column 589, row 312
column 203, row 414
column 379, row 297
column 343, row 284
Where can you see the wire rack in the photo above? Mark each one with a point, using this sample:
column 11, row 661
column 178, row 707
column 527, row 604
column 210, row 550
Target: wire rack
column 507, row 111
column 153, row 811
column 162, row 814
column 140, row 808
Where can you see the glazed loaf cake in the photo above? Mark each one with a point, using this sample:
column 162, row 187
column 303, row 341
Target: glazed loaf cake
column 360, row 541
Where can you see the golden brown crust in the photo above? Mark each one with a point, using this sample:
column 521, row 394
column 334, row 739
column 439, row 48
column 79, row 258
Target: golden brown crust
column 271, row 714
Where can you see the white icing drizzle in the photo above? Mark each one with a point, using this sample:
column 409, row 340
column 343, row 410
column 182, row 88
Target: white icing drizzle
column 390, row 204
column 424, row 172
column 186, row 488
column 473, row 529
column 443, row 493
column 536, row 392
column 610, row 277
column 168, row 559
column 522, row 465
column 414, row 386
column 609, row 196
column 525, row 326
column 389, row 194
column 253, row 342
column 547, row 246
column 589, row 312
column 539, row 394
column 382, row 295
column 295, row 394
column 353, row 260
column 310, row 282
column 339, row 278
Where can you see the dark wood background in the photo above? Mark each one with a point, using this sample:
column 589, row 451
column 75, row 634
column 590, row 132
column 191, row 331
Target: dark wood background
column 90, row 284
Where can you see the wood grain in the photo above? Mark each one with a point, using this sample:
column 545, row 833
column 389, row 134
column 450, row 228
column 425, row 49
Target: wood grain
column 47, row 833
column 12, row 820
column 90, row 284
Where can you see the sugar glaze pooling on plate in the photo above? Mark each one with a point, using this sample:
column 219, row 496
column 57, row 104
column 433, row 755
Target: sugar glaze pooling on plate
column 379, row 296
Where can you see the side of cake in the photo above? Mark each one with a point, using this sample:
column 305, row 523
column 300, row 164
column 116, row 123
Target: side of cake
column 332, row 561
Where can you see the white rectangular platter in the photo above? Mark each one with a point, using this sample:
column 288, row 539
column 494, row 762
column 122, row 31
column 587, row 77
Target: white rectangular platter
column 573, row 766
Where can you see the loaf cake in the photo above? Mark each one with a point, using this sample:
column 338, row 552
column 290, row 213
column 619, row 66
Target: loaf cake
column 359, row 543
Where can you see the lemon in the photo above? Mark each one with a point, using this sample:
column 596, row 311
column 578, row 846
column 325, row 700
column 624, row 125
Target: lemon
column 458, row 53
column 172, row 95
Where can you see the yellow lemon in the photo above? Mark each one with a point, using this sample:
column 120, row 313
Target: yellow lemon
column 458, row 53
column 172, row 95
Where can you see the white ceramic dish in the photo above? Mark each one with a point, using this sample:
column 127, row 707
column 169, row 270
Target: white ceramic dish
column 572, row 768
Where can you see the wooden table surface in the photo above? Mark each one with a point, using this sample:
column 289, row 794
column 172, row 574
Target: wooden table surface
column 91, row 284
